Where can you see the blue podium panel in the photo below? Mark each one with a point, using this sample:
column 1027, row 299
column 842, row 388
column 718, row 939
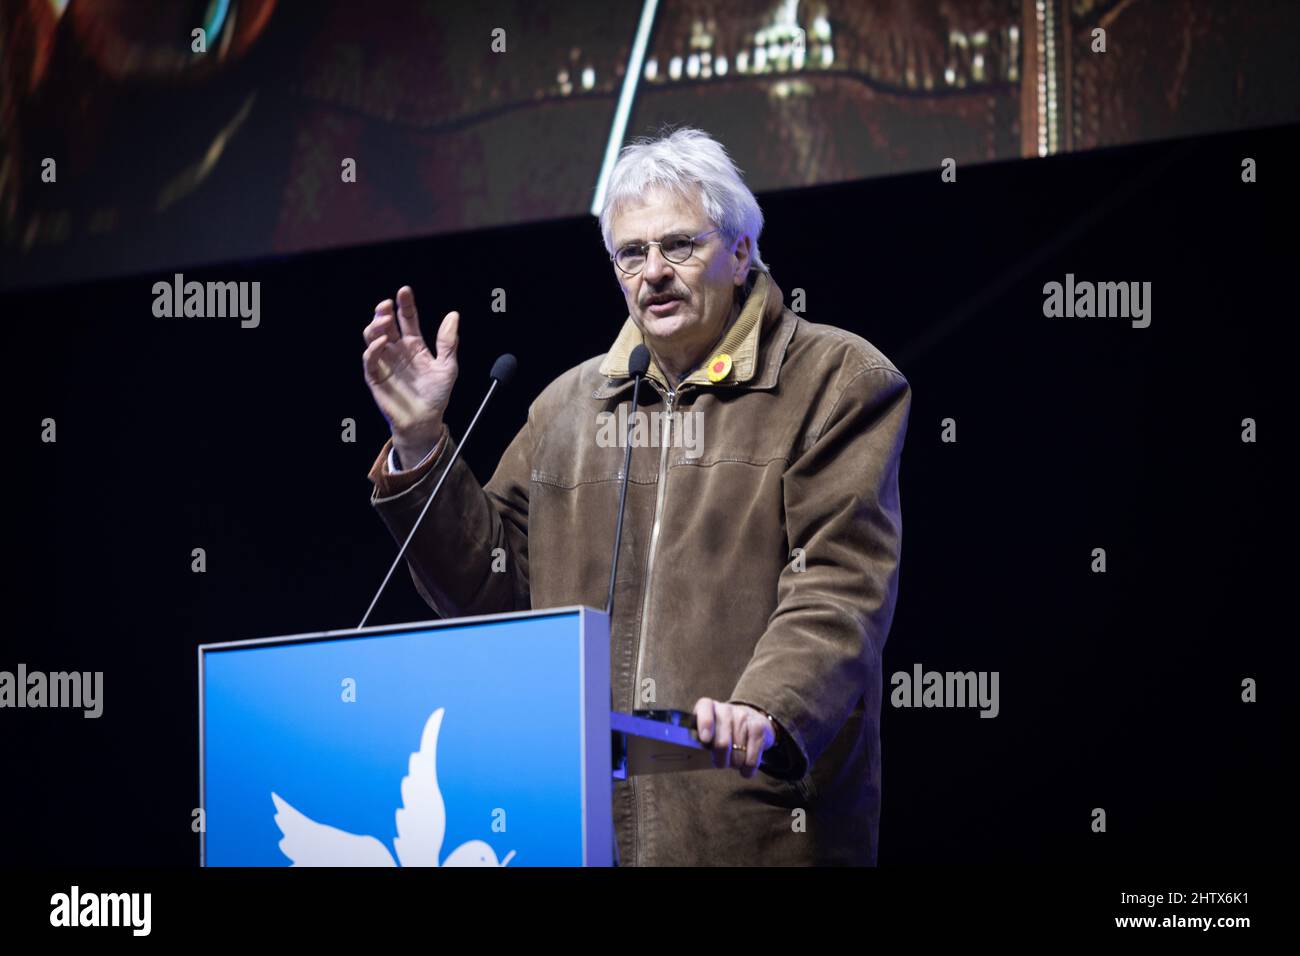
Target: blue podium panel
column 471, row 742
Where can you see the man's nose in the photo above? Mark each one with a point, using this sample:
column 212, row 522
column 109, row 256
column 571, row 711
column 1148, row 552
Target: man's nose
column 656, row 266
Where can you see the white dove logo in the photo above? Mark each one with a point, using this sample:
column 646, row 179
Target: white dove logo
column 421, row 824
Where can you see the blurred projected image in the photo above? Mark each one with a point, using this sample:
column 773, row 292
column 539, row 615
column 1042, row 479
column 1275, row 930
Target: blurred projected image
column 137, row 135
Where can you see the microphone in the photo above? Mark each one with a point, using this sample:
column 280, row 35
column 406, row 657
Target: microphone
column 503, row 370
column 637, row 365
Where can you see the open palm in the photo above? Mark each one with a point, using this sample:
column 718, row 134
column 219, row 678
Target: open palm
column 410, row 384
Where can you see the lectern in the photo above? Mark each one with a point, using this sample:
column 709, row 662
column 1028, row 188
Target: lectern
column 479, row 741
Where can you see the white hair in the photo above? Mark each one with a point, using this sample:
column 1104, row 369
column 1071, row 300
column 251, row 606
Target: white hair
column 695, row 166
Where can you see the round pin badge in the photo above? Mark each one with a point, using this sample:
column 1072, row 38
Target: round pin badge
column 719, row 367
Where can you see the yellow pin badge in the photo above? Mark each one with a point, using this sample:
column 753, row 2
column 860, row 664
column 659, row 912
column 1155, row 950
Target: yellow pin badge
column 719, row 367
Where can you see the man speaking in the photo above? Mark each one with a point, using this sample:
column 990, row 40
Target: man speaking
column 759, row 562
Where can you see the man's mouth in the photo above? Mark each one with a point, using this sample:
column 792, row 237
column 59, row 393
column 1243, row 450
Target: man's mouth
column 662, row 304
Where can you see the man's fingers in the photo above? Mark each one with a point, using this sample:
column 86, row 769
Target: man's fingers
column 376, row 368
column 711, row 728
column 753, row 738
column 722, row 737
column 383, row 323
column 736, row 726
column 408, row 318
column 724, row 726
column 448, row 335
column 380, row 325
column 704, row 720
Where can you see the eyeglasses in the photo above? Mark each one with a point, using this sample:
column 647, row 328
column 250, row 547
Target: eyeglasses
column 676, row 248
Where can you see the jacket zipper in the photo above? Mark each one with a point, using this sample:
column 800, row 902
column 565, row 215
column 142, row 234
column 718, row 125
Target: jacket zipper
column 665, row 441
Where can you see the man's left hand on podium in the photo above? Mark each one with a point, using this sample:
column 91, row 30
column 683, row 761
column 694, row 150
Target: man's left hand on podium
column 729, row 726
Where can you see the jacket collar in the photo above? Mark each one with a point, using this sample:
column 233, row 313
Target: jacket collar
column 756, row 342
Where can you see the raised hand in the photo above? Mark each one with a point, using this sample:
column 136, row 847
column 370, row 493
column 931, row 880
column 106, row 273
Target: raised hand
column 410, row 384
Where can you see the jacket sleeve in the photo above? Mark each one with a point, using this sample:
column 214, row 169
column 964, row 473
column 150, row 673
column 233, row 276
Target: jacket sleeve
column 454, row 557
column 822, row 649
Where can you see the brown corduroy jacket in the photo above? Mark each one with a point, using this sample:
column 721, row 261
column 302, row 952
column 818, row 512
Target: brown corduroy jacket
column 759, row 564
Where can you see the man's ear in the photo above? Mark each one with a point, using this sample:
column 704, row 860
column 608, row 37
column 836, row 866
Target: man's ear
column 744, row 258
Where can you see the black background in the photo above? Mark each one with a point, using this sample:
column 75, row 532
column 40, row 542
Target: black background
column 1118, row 690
